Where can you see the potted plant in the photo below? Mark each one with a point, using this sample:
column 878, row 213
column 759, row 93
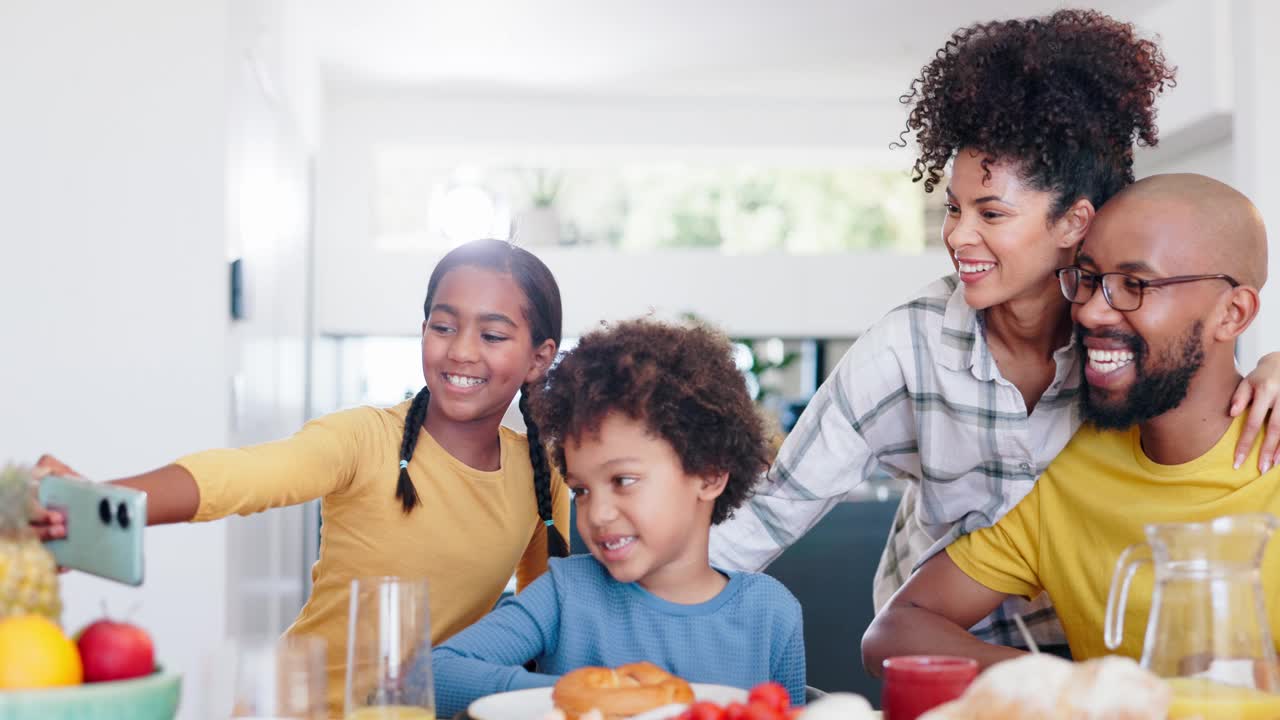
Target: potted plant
column 539, row 224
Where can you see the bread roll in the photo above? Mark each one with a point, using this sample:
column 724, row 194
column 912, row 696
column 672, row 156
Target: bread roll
column 1043, row 687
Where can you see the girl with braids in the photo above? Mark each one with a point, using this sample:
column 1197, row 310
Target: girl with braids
column 656, row 435
column 433, row 488
column 969, row 390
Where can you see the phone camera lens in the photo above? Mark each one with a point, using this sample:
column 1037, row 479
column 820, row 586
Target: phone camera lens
column 122, row 515
column 104, row 511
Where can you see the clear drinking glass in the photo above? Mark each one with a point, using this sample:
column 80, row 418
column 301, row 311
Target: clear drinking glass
column 389, row 651
column 268, row 677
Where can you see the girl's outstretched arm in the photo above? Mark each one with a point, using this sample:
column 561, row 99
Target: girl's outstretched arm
column 172, row 496
column 319, row 459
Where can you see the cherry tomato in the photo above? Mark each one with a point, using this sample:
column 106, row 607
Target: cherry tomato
column 771, row 694
column 706, row 711
column 760, row 711
column 735, row 711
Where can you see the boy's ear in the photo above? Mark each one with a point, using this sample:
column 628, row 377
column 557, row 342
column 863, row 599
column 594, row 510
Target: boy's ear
column 713, row 486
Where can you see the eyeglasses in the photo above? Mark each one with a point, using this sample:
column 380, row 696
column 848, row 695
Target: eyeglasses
column 1122, row 291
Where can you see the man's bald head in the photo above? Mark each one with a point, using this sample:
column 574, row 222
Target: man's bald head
column 1184, row 235
column 1227, row 233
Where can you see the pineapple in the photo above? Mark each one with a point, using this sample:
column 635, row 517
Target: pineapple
column 28, row 572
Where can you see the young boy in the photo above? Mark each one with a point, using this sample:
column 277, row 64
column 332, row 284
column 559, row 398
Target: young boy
column 655, row 433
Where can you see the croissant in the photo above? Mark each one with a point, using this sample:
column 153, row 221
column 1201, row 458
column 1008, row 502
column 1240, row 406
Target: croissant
column 618, row 693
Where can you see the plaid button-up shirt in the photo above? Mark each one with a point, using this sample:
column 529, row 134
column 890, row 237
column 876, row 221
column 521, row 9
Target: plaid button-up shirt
column 918, row 397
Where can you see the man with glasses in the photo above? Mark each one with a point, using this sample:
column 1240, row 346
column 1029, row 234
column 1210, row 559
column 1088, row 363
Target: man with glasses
column 1179, row 260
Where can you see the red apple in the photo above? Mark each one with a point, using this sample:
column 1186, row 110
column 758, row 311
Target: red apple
column 113, row 650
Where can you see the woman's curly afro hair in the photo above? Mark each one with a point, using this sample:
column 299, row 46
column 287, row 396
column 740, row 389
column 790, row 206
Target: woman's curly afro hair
column 1064, row 97
column 680, row 381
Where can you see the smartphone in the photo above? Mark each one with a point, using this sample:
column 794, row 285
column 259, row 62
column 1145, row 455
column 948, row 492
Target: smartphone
column 104, row 522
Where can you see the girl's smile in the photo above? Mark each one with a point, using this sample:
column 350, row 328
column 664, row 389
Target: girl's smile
column 462, row 381
column 477, row 349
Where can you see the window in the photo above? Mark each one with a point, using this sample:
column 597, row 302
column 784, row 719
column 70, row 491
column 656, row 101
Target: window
column 639, row 207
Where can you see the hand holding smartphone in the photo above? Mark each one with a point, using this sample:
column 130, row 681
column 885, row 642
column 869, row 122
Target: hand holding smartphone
column 104, row 525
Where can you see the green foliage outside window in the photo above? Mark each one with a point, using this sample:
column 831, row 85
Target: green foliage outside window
column 737, row 209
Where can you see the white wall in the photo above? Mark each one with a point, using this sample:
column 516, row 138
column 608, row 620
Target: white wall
column 748, row 296
column 1216, row 159
column 1196, row 37
column 355, row 115
column 1195, row 116
column 268, row 188
column 1219, row 119
column 1257, row 149
column 113, row 290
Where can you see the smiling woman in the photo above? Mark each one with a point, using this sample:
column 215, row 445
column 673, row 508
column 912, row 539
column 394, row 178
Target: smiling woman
column 997, row 233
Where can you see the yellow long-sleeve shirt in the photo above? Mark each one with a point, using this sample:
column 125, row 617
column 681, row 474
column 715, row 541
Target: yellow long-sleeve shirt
column 472, row 529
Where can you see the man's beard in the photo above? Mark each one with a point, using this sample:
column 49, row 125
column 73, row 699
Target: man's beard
column 1157, row 389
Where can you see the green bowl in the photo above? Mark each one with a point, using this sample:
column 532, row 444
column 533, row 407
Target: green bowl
column 154, row 697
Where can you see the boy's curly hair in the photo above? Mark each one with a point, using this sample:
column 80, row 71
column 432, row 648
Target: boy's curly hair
column 680, row 381
column 1064, row 97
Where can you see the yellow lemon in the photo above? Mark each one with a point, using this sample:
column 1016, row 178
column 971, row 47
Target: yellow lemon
column 35, row 654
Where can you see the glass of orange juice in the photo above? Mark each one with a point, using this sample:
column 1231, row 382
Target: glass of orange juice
column 389, row 651
column 1198, row 698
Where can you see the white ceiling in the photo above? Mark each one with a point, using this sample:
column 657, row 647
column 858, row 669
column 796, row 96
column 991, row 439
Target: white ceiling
column 811, row 49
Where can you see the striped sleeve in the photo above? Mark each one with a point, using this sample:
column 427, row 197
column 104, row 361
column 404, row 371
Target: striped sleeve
column 860, row 414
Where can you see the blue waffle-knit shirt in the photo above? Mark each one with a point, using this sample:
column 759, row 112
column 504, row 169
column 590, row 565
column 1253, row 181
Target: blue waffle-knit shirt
column 577, row 615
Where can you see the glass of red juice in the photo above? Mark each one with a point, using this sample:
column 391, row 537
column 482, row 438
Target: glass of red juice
column 915, row 684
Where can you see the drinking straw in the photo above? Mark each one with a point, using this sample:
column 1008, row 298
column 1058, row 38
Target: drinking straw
column 1026, row 634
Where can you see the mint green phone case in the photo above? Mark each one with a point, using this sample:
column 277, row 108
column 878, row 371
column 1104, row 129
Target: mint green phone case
column 104, row 527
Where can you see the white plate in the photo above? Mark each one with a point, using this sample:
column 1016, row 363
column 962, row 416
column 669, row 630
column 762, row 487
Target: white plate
column 535, row 703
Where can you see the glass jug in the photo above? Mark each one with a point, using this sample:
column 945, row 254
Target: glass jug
column 1207, row 632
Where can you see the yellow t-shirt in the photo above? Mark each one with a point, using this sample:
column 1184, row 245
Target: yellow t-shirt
column 1089, row 505
column 472, row 529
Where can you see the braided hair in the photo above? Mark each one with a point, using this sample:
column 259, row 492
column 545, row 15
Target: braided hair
column 556, row 545
column 542, row 310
